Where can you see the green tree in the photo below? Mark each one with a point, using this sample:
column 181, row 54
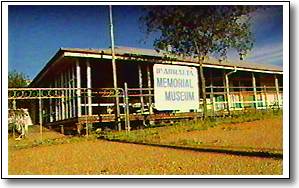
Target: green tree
column 17, row 79
column 200, row 31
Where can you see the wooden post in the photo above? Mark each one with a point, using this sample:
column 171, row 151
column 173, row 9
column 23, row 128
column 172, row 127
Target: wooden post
column 127, row 110
column 89, row 99
column 227, row 88
column 84, row 91
column 40, row 115
column 212, row 96
column 140, row 86
column 227, row 92
column 223, row 106
column 14, row 107
column 78, row 76
column 51, row 107
column 67, row 98
column 56, row 102
column 62, row 99
column 266, row 98
column 70, row 93
column 254, row 90
column 73, row 91
column 149, row 91
column 65, row 81
column 14, row 104
column 61, row 129
column 241, row 96
column 277, row 91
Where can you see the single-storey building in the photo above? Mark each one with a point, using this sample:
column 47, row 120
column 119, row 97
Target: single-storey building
column 158, row 86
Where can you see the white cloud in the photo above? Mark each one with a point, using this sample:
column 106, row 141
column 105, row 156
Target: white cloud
column 269, row 54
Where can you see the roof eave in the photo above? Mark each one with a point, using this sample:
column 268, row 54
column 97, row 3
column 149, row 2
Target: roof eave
column 39, row 76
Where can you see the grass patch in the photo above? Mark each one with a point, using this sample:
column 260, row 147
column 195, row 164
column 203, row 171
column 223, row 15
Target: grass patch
column 156, row 131
column 26, row 143
column 158, row 134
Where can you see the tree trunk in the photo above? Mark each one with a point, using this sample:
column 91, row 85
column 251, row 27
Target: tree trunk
column 203, row 87
column 203, row 80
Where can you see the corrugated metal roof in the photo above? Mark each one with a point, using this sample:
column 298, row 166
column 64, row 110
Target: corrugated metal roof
column 120, row 50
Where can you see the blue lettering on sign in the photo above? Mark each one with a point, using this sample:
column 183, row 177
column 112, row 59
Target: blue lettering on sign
column 174, row 82
column 179, row 96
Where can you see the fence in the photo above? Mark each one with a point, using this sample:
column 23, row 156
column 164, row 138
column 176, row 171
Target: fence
column 59, row 104
column 88, row 105
column 241, row 98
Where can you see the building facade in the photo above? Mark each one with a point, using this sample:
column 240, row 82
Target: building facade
column 88, row 94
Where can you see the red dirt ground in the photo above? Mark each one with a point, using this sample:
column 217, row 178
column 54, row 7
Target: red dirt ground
column 103, row 157
column 99, row 157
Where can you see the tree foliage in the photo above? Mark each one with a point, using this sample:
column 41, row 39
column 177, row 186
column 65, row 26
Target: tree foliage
column 201, row 30
column 17, row 79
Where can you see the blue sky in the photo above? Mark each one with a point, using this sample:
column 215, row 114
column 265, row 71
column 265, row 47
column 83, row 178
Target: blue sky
column 267, row 28
column 37, row 32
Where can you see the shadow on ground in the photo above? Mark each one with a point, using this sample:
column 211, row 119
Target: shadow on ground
column 264, row 154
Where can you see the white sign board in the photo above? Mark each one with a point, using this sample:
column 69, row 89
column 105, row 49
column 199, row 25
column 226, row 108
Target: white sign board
column 176, row 87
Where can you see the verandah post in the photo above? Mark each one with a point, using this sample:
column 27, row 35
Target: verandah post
column 73, row 85
column 127, row 112
column 277, row 91
column 89, row 99
column 66, row 94
column 149, row 84
column 140, row 86
column 241, row 96
column 51, row 107
column 78, row 76
column 62, row 99
column 254, row 90
column 40, row 111
column 227, row 92
column 266, row 98
column 70, row 93
column 56, row 101
column 212, row 95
